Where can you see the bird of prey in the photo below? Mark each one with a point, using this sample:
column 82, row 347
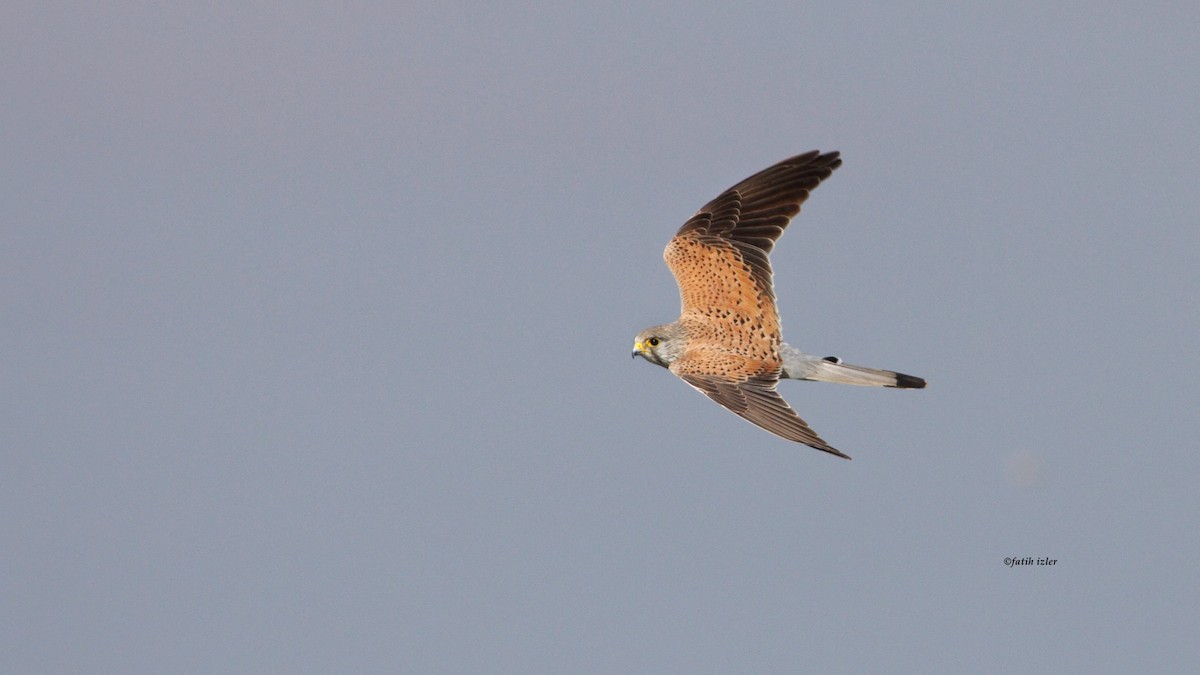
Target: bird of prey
column 727, row 342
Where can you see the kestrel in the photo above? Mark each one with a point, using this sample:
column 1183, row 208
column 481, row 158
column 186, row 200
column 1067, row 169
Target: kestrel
column 727, row 342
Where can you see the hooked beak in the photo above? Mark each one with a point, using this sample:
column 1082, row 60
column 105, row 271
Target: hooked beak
column 637, row 350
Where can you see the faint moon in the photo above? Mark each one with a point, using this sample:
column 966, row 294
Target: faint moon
column 1026, row 469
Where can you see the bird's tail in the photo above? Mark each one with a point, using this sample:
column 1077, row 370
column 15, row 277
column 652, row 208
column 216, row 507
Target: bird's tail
column 800, row 366
column 845, row 373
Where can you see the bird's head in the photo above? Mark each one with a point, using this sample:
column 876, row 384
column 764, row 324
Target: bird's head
column 660, row 345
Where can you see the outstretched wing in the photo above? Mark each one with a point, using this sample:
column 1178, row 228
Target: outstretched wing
column 719, row 256
column 720, row 261
column 755, row 399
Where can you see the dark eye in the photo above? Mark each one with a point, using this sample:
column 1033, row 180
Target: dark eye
column 653, row 342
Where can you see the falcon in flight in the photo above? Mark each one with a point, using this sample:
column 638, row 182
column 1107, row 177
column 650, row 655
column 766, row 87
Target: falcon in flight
column 727, row 341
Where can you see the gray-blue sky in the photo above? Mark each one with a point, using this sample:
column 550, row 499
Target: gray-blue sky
column 317, row 322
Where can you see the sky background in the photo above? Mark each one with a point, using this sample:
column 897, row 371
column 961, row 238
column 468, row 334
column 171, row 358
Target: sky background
column 317, row 317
